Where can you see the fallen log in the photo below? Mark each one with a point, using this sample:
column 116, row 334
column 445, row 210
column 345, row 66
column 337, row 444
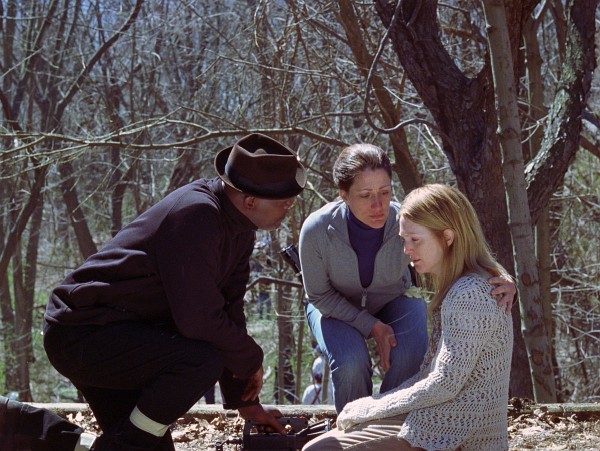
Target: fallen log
column 203, row 411
column 211, row 411
column 582, row 411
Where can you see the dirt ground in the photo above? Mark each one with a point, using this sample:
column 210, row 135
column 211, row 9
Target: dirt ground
column 535, row 430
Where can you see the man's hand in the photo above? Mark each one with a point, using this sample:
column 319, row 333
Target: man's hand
column 505, row 287
column 260, row 415
column 253, row 386
column 386, row 340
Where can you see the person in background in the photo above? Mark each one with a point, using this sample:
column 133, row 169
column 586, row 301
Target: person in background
column 152, row 321
column 459, row 398
column 357, row 280
column 321, row 367
column 313, row 394
column 264, row 301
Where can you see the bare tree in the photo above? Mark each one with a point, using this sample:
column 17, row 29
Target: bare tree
column 40, row 94
column 102, row 119
column 463, row 110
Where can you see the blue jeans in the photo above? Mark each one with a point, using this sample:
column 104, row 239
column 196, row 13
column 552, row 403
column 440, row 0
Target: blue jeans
column 348, row 355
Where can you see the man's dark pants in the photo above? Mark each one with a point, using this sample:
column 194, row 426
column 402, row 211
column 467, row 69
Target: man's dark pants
column 121, row 365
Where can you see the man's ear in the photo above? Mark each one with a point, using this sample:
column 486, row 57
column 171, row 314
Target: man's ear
column 449, row 237
column 249, row 202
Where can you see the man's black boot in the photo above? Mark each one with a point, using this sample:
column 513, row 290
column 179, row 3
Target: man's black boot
column 128, row 438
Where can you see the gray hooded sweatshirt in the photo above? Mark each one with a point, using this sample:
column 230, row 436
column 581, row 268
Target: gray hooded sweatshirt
column 330, row 267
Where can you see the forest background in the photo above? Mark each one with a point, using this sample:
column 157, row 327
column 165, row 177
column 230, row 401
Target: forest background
column 106, row 106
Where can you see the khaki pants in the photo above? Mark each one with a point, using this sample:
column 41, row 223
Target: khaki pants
column 378, row 435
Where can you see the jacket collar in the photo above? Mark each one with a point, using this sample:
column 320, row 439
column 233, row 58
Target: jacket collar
column 236, row 219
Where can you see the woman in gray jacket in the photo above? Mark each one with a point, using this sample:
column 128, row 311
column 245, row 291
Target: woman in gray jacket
column 356, row 277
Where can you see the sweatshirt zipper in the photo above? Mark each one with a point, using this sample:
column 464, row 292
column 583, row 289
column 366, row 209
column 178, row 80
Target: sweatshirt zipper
column 363, row 301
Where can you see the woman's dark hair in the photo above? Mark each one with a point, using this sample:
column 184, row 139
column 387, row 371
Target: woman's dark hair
column 355, row 159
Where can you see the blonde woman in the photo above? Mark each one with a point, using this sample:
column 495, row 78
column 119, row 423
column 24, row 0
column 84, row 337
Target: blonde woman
column 459, row 398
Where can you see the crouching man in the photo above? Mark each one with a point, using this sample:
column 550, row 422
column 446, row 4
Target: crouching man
column 153, row 320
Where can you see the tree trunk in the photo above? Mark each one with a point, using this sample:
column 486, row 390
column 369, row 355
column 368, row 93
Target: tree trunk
column 7, row 333
column 463, row 110
column 405, row 166
column 14, row 235
column 536, row 113
column 86, row 243
column 545, row 173
column 24, row 274
column 509, row 131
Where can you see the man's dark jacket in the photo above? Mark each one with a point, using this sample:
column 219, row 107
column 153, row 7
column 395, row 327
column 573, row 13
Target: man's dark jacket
column 185, row 263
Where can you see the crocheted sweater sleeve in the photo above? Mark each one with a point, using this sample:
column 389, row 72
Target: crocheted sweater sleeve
column 468, row 318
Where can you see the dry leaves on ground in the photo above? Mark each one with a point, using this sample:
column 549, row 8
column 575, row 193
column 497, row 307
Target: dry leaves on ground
column 539, row 430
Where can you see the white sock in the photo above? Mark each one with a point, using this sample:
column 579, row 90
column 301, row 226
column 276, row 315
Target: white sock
column 141, row 421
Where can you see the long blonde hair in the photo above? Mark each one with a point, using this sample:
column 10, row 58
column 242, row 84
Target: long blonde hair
column 440, row 207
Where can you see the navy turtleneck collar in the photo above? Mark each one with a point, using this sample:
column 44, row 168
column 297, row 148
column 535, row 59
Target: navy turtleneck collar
column 365, row 241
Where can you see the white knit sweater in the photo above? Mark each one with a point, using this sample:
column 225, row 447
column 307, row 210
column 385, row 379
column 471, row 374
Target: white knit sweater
column 460, row 395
